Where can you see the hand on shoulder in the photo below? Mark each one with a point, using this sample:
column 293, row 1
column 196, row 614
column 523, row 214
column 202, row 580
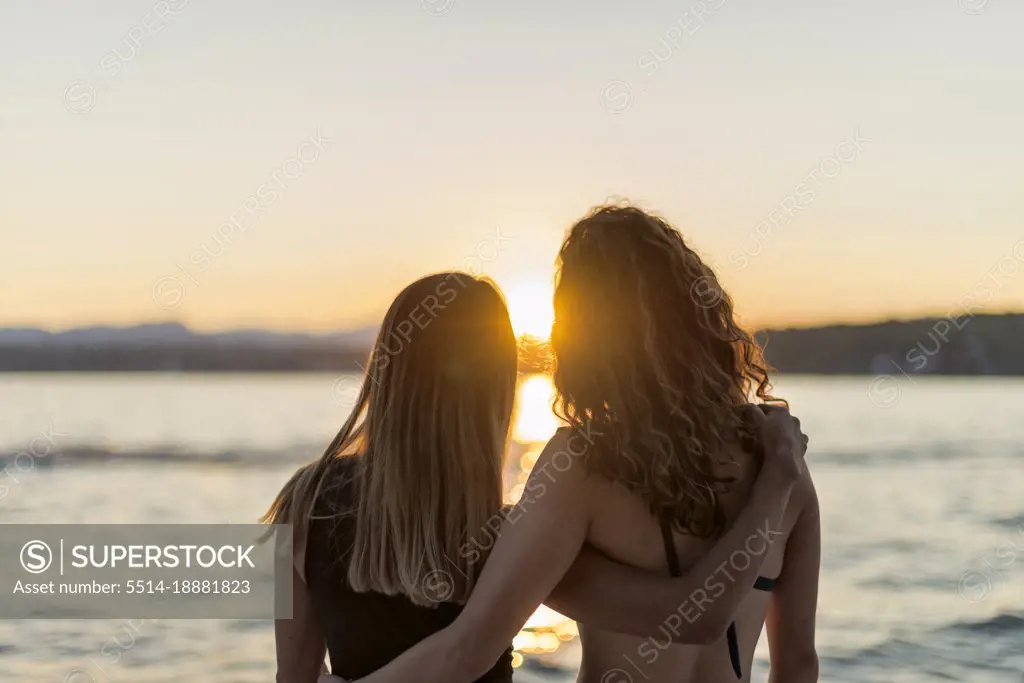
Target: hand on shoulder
column 785, row 444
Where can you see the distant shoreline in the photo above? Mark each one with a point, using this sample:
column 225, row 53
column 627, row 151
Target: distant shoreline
column 970, row 346
column 776, row 374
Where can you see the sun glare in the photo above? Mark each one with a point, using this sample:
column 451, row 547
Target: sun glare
column 529, row 306
column 534, row 421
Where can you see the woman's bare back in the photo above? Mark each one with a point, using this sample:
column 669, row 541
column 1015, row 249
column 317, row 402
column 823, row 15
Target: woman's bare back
column 624, row 529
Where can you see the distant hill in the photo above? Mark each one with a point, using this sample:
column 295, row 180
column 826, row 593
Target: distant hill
column 980, row 345
column 173, row 347
column 977, row 345
column 176, row 333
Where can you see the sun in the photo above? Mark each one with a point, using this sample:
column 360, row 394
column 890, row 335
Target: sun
column 529, row 306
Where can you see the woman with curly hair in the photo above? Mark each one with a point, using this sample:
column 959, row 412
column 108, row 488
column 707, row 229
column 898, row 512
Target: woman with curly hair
column 660, row 456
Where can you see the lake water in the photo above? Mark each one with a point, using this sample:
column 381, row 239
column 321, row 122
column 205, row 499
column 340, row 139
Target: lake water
column 921, row 486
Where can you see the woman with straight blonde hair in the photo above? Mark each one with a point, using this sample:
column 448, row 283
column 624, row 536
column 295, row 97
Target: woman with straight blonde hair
column 391, row 521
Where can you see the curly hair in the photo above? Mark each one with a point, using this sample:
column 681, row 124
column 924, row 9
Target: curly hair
column 651, row 363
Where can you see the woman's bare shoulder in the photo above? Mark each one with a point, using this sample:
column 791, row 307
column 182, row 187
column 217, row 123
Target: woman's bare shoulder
column 565, row 446
column 560, row 466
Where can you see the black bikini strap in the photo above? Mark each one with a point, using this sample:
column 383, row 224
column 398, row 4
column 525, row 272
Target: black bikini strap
column 734, row 650
column 762, row 583
column 670, row 549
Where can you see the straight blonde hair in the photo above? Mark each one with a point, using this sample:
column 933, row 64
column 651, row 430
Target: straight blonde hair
column 430, row 428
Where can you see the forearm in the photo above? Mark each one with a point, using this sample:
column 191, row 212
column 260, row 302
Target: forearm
column 695, row 608
column 604, row 593
column 448, row 656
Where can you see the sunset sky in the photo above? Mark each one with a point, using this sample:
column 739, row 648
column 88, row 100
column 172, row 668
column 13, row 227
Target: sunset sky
column 131, row 131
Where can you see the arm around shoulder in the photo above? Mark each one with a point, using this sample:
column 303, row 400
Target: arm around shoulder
column 609, row 595
column 537, row 543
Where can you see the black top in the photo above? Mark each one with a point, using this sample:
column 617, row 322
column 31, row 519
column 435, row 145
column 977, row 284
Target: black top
column 364, row 631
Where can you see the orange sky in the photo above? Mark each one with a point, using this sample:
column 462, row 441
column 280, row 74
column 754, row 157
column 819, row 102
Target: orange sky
column 837, row 162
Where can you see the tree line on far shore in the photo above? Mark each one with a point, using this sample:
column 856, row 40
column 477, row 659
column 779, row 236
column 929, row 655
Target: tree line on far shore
column 977, row 345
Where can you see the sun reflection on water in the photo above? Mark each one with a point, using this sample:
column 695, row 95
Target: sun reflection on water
column 546, row 630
